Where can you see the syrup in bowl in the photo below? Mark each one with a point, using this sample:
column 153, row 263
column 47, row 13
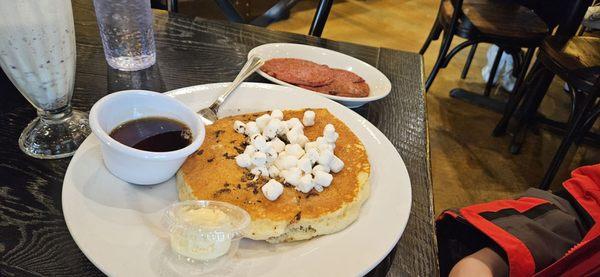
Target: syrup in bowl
column 155, row 134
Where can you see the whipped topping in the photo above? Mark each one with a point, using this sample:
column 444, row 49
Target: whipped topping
column 279, row 149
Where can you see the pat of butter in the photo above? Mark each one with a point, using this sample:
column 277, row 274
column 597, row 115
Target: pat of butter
column 193, row 242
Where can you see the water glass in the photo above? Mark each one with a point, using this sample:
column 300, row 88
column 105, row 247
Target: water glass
column 126, row 32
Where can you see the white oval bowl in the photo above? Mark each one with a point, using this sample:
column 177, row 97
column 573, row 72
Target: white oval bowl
column 379, row 84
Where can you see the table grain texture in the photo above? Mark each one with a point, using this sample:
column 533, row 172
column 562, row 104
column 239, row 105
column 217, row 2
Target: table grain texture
column 34, row 239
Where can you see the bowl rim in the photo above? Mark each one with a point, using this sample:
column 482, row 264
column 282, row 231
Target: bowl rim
column 105, row 138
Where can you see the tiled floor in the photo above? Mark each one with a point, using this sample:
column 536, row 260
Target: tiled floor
column 468, row 164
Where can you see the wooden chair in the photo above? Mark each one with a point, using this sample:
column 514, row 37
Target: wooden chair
column 505, row 23
column 275, row 13
column 577, row 62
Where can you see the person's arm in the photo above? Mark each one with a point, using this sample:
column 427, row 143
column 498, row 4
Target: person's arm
column 485, row 262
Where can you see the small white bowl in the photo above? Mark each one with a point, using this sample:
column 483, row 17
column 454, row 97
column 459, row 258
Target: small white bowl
column 379, row 84
column 133, row 165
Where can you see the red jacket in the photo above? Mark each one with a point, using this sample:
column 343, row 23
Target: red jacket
column 537, row 234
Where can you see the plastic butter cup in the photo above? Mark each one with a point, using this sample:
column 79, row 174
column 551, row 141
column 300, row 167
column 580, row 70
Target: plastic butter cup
column 205, row 231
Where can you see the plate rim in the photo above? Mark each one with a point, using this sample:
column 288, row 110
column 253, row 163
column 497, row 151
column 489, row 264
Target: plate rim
column 337, row 98
column 193, row 89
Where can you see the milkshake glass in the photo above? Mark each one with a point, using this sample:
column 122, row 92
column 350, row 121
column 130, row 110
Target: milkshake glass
column 37, row 53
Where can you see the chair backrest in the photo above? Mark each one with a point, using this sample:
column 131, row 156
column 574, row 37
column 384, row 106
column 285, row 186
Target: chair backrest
column 276, row 12
column 557, row 12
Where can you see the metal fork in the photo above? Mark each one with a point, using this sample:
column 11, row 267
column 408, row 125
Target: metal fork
column 209, row 115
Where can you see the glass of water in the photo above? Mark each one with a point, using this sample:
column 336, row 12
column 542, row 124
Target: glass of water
column 126, row 31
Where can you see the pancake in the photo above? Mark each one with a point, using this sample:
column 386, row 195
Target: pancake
column 212, row 174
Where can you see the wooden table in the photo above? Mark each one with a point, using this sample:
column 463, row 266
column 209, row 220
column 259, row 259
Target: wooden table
column 34, row 239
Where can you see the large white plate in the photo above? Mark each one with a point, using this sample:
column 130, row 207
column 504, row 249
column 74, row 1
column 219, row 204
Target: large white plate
column 380, row 85
column 117, row 225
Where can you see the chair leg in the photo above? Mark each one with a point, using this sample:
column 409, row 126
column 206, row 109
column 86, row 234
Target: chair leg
column 515, row 97
column 455, row 51
column 448, row 34
column 492, row 76
column 172, row 6
column 463, row 75
column 320, row 18
column 434, row 34
column 594, row 114
column 576, row 129
column 530, row 105
column 229, row 11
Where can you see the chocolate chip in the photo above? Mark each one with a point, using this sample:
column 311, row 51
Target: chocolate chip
column 218, row 133
column 311, row 193
column 227, row 156
column 221, row 191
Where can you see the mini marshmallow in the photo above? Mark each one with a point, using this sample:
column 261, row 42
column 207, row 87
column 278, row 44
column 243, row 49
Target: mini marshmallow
column 286, row 162
column 294, row 122
column 325, row 158
column 318, row 188
column 292, row 176
column 277, row 114
column 320, row 167
column 277, row 144
column 306, row 183
column 304, row 164
column 336, row 164
column 254, row 136
column 323, row 178
column 260, row 143
column 250, row 149
column 309, row 118
column 310, row 145
column 262, row 121
column 293, row 135
column 320, row 140
column 272, row 190
column 273, row 171
column 270, row 131
column 271, row 155
column 328, row 129
column 260, row 171
column 301, row 140
column 239, row 127
column 243, row 160
column 283, row 129
column 331, row 137
column 294, row 150
column 325, row 147
column 312, row 154
column 252, row 128
column 259, row 159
